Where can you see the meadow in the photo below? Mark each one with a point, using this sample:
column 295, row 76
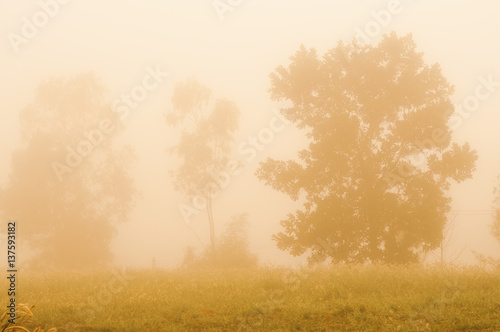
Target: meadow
column 338, row 298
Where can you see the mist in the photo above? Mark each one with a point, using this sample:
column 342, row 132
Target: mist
column 232, row 50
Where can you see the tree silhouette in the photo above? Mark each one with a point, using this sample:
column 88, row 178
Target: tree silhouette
column 380, row 161
column 232, row 249
column 495, row 227
column 443, row 253
column 205, row 143
column 69, row 187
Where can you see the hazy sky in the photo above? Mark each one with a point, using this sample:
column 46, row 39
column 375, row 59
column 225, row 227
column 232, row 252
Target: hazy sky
column 118, row 40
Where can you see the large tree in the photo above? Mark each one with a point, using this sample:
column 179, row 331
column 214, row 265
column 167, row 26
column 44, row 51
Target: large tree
column 208, row 127
column 380, row 161
column 69, row 185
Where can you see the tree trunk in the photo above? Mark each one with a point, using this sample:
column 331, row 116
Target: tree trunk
column 211, row 223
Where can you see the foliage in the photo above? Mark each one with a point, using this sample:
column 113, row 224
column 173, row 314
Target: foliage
column 231, row 250
column 68, row 217
column 380, row 161
column 205, row 144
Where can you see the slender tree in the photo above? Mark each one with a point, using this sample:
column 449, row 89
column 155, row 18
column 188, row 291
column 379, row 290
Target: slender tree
column 444, row 254
column 495, row 227
column 207, row 133
column 380, row 161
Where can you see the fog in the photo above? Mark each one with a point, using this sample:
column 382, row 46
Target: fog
column 233, row 52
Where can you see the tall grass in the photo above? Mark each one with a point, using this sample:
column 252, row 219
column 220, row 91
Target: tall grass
column 23, row 320
column 359, row 298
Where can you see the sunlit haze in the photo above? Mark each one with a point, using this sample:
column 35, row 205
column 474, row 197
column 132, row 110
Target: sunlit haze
column 233, row 52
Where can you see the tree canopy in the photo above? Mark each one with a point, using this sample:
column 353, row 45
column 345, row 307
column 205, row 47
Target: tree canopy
column 69, row 186
column 380, row 159
column 208, row 127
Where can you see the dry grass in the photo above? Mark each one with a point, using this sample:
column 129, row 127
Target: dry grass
column 23, row 321
column 340, row 298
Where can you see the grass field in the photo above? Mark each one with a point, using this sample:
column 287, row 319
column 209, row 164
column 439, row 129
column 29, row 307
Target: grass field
column 343, row 298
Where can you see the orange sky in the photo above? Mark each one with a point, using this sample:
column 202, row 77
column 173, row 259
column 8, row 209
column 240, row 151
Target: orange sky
column 118, row 40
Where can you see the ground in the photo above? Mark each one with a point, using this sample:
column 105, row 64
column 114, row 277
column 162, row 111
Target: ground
column 339, row 298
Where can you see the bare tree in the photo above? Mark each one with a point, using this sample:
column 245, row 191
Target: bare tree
column 443, row 252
